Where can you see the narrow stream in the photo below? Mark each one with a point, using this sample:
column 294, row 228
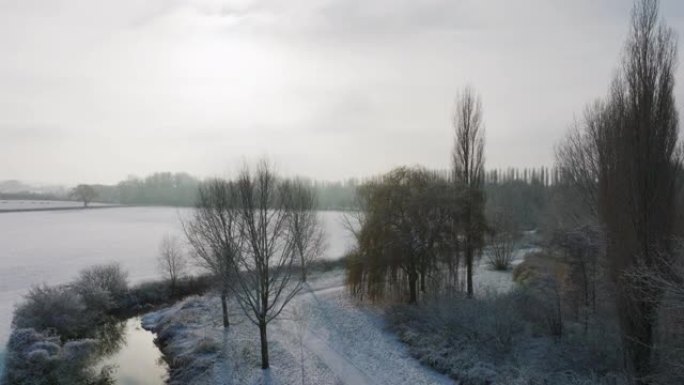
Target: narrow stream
column 138, row 361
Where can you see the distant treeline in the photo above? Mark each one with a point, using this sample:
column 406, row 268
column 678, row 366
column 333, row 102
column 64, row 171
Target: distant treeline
column 28, row 195
column 524, row 190
column 158, row 189
column 180, row 189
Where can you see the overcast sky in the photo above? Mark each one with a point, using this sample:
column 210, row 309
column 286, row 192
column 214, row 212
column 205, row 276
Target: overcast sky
column 94, row 91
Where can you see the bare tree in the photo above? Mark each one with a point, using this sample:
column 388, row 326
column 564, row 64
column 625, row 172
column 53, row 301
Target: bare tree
column 582, row 248
column 84, row 193
column 214, row 234
column 628, row 149
column 266, row 266
column 638, row 172
column 504, row 235
column 468, row 168
column 307, row 233
column 577, row 157
column 668, row 284
column 171, row 261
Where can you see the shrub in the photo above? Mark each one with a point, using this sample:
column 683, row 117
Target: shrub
column 73, row 311
column 501, row 251
column 506, row 339
column 531, row 268
column 35, row 358
column 53, row 308
column 102, row 286
column 148, row 294
column 500, row 256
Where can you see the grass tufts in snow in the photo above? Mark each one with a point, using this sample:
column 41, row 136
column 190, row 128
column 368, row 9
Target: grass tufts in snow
column 504, row 340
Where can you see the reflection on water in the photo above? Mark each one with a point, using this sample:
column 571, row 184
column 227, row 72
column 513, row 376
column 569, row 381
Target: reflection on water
column 112, row 336
column 131, row 353
column 120, row 353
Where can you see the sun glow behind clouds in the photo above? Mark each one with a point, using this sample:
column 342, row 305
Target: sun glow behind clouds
column 95, row 90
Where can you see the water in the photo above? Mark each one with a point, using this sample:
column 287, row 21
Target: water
column 137, row 361
column 53, row 246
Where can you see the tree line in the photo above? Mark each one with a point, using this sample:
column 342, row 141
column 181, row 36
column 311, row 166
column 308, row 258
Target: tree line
column 180, row 190
column 611, row 207
column 624, row 159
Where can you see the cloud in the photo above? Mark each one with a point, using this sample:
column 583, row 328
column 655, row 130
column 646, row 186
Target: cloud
column 328, row 88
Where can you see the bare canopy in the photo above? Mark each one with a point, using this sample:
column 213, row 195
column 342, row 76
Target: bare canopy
column 468, row 169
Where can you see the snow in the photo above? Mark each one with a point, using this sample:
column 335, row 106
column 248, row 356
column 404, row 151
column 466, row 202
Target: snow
column 323, row 338
column 53, row 246
column 489, row 281
column 352, row 340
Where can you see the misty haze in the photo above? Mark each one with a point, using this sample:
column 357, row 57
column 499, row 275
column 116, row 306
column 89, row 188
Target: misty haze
column 312, row 192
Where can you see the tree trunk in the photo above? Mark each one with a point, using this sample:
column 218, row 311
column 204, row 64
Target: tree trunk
column 224, row 308
column 264, row 345
column 469, row 269
column 637, row 326
column 413, row 292
column 303, row 271
column 587, row 304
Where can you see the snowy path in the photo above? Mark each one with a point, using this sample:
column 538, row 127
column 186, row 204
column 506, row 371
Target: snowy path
column 341, row 367
column 322, row 338
column 350, row 340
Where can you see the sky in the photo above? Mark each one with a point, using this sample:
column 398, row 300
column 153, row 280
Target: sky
column 94, row 91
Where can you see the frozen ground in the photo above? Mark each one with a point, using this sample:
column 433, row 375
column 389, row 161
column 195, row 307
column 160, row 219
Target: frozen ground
column 487, row 280
column 323, row 339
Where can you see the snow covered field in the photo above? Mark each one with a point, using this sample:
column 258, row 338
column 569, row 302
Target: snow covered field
column 52, row 246
column 322, row 338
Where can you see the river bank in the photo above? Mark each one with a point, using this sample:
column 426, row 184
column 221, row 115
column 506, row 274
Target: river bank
column 88, row 331
column 322, row 337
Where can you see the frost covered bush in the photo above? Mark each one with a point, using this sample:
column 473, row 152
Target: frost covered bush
column 101, row 287
column 52, row 308
column 494, row 340
column 148, row 294
column 87, row 307
column 35, row 358
column 74, row 310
